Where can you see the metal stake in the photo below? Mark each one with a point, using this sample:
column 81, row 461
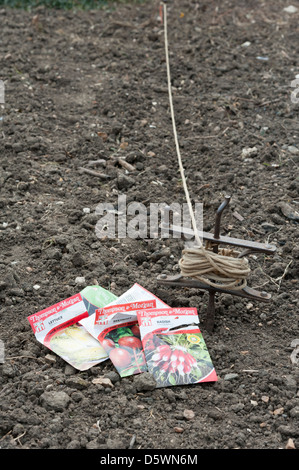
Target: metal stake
column 216, row 239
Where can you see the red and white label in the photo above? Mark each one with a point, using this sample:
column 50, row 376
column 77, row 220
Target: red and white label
column 151, row 319
column 102, row 314
column 44, row 321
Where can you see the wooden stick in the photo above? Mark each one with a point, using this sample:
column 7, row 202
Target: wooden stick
column 125, row 164
column 100, row 162
column 93, row 173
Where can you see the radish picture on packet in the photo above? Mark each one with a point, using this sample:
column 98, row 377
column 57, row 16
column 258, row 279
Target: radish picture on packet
column 174, row 348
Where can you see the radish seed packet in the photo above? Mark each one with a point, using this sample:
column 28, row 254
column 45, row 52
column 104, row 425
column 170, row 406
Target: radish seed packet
column 174, row 348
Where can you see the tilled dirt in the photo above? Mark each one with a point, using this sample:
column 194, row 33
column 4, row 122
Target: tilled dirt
column 88, row 86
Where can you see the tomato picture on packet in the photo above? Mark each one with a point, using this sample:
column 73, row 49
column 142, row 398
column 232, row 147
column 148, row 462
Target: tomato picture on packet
column 124, row 348
column 119, row 335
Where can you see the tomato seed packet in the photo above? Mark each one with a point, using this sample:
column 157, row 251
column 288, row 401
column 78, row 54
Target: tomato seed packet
column 174, row 348
column 57, row 327
column 136, row 293
column 116, row 327
column 120, row 336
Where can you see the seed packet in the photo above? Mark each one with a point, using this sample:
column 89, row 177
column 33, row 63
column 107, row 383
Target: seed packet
column 174, row 348
column 120, row 336
column 58, row 328
column 136, row 293
column 116, row 327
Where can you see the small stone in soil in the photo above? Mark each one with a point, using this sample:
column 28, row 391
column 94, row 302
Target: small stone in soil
column 267, row 227
column 144, row 382
column 80, row 280
column 57, row 401
column 50, row 358
column 77, row 382
column 103, row 381
column 113, row 376
column 249, row 151
column 178, row 429
column 189, row 414
column 69, row 370
column 290, row 9
column 265, row 398
column 231, row 376
column 290, row 444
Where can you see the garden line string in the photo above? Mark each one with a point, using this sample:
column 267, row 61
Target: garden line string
column 198, row 262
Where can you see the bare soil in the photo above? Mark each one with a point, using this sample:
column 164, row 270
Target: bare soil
column 87, row 86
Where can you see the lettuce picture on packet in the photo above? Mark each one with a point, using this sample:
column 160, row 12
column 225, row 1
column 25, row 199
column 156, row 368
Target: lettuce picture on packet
column 58, row 328
column 76, row 346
